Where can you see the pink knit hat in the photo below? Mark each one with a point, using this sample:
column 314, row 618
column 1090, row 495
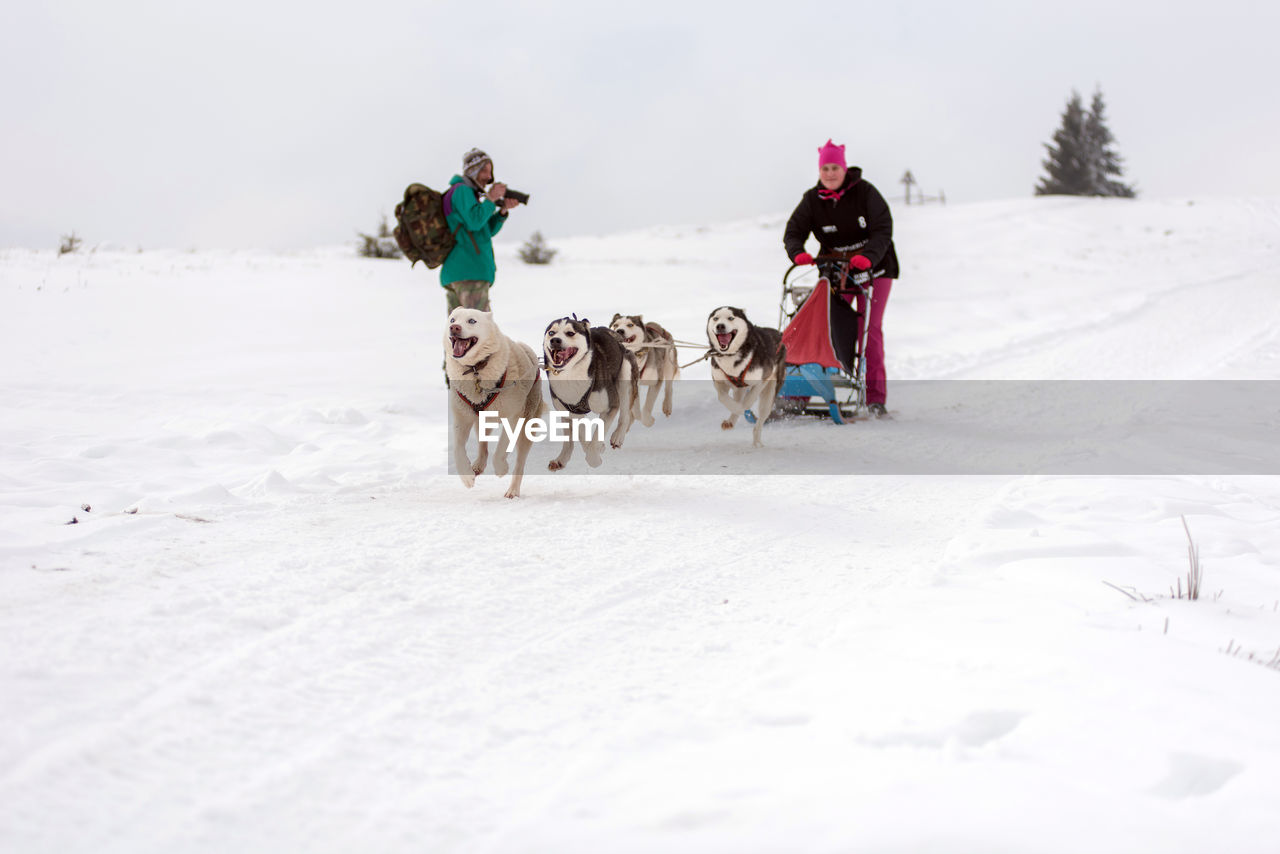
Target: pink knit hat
column 831, row 153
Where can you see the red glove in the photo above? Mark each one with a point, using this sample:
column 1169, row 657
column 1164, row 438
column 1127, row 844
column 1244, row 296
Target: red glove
column 804, row 258
column 860, row 262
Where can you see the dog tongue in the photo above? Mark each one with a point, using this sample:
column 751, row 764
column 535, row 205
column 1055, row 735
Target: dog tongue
column 460, row 346
column 724, row 340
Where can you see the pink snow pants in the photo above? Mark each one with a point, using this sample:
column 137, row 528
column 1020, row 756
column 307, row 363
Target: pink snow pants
column 877, row 386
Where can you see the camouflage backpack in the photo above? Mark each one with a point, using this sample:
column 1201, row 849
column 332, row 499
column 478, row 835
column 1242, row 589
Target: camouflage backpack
column 421, row 231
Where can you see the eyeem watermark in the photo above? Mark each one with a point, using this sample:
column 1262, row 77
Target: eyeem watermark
column 948, row 427
column 557, row 428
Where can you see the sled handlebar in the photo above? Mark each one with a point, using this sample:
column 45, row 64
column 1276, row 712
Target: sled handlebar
column 846, row 286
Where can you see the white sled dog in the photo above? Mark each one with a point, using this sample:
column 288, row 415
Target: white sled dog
column 589, row 371
column 489, row 372
column 656, row 361
column 747, row 365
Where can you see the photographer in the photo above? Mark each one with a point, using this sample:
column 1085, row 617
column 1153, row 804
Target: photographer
column 475, row 215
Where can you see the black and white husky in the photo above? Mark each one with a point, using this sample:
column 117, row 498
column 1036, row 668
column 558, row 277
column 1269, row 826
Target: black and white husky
column 589, row 372
column 747, row 365
column 656, row 359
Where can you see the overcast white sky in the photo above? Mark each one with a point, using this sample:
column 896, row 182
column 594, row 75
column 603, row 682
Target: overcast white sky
column 163, row 123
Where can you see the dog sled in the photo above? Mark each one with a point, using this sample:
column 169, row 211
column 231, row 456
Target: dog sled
column 825, row 337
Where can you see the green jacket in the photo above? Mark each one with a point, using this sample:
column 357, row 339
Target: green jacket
column 472, row 255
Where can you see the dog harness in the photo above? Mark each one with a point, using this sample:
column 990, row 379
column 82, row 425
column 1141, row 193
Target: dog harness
column 488, row 401
column 642, row 365
column 579, row 408
column 738, row 381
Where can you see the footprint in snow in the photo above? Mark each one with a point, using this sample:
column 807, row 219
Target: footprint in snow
column 1193, row 776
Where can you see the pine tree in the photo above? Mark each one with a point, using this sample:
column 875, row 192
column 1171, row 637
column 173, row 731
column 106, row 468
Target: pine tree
column 1082, row 160
column 1068, row 164
column 1107, row 163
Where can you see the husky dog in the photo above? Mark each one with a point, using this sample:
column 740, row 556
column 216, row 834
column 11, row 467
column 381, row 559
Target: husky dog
column 488, row 372
column 747, row 365
column 656, row 360
column 589, row 371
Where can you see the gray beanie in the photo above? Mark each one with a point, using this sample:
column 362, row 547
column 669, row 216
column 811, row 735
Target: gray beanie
column 472, row 161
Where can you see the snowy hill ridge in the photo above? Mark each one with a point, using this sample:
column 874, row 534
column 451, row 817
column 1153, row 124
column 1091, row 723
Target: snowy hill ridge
column 244, row 604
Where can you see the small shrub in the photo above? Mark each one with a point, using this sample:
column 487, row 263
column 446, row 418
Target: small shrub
column 536, row 251
column 381, row 245
column 70, row 243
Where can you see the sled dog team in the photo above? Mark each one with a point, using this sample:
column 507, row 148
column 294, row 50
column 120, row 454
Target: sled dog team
column 592, row 372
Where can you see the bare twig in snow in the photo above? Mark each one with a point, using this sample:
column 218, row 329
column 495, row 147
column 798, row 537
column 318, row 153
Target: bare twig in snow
column 1130, row 592
column 1194, row 570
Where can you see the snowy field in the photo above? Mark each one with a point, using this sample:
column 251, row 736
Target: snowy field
column 279, row 624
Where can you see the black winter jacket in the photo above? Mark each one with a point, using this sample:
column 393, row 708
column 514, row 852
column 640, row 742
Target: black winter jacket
column 858, row 223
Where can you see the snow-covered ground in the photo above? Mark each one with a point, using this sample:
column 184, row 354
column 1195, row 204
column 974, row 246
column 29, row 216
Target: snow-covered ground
column 279, row 624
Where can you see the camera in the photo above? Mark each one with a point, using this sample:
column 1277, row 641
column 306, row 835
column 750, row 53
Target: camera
column 522, row 198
